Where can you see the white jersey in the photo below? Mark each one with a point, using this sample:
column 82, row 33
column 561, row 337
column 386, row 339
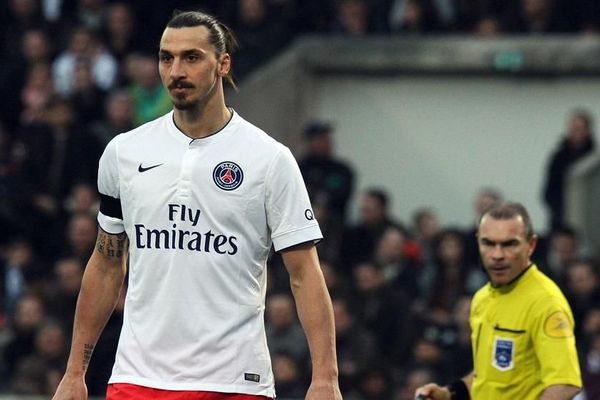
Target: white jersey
column 201, row 215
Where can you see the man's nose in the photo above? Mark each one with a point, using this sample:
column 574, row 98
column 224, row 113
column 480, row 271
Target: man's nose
column 177, row 70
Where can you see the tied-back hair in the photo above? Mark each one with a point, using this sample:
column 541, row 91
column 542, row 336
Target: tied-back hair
column 508, row 210
column 220, row 35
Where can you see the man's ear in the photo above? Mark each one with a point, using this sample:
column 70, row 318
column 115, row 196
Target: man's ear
column 224, row 65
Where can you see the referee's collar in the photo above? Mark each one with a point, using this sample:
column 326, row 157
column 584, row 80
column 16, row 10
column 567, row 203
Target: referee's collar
column 508, row 287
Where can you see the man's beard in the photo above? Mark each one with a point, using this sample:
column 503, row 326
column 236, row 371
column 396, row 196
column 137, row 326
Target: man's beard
column 184, row 104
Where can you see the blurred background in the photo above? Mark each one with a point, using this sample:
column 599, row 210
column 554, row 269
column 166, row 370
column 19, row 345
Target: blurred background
column 407, row 118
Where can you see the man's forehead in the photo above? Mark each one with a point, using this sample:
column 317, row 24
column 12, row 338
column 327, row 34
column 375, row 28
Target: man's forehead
column 187, row 38
column 511, row 227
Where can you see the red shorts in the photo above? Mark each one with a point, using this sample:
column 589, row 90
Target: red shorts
column 127, row 391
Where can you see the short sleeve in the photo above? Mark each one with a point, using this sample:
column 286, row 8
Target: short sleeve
column 554, row 340
column 289, row 213
column 110, row 217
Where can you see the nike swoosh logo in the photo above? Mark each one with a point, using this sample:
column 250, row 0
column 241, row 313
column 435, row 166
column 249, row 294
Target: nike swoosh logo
column 144, row 169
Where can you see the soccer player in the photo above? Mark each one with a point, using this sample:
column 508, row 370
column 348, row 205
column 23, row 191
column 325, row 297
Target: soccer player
column 522, row 326
column 196, row 198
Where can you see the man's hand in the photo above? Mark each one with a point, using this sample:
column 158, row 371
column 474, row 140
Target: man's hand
column 433, row 391
column 324, row 391
column 71, row 388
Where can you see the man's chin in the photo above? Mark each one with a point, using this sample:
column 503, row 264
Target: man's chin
column 183, row 105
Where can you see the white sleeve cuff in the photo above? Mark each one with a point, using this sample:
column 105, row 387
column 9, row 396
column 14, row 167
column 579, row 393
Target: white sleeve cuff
column 310, row 233
column 110, row 225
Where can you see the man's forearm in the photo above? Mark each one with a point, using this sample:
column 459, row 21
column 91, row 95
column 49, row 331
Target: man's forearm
column 559, row 392
column 98, row 296
column 315, row 313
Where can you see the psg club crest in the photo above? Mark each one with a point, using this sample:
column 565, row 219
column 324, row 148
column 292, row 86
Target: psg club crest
column 228, row 175
column 503, row 357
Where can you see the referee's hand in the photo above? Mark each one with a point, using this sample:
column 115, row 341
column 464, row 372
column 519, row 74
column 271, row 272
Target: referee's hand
column 432, row 391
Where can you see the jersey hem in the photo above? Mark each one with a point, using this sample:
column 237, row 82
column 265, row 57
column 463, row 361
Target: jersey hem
column 111, row 225
column 193, row 386
column 289, row 239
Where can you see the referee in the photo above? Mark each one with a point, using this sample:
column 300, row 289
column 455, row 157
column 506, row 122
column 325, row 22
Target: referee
column 521, row 324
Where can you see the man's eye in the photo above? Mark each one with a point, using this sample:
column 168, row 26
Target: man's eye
column 192, row 58
column 165, row 57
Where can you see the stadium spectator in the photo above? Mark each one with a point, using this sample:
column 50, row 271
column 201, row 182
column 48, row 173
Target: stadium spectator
column 413, row 379
column 383, row 311
column 87, row 97
column 118, row 117
column 61, row 296
column 329, row 180
column 400, row 269
column 563, row 248
column 39, row 372
column 121, row 32
column 288, row 375
column 29, row 317
column 150, row 98
column 21, row 273
column 284, row 332
column 356, row 347
column 413, row 16
column 360, row 240
column 582, row 289
column 352, row 18
column 84, row 45
column 576, row 143
column 81, row 237
column 260, row 36
column 485, row 197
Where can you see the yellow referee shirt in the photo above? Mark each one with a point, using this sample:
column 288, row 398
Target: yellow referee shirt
column 522, row 337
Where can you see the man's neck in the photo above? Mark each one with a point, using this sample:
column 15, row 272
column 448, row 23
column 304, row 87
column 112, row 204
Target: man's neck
column 203, row 122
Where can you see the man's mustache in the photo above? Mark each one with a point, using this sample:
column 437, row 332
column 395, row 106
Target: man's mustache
column 180, row 84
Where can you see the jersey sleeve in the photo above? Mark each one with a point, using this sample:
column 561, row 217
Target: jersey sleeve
column 110, row 217
column 554, row 341
column 289, row 213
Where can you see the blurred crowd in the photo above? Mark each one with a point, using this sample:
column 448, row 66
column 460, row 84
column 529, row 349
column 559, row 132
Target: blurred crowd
column 75, row 73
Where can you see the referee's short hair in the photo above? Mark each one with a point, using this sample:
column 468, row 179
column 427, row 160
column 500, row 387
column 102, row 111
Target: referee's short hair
column 508, row 210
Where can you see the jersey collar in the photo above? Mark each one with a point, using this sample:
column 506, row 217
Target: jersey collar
column 225, row 131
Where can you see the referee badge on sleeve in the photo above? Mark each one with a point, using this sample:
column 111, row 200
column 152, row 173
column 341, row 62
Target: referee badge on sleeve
column 503, row 356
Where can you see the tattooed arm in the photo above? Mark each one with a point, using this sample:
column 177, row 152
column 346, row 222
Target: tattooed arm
column 100, row 289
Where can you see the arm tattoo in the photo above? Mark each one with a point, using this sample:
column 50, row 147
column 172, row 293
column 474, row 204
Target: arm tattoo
column 88, row 349
column 111, row 245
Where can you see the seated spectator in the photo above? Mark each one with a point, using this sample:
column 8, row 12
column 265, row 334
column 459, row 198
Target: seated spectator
column 360, row 240
column 356, row 347
column 288, row 377
column 375, row 384
column 29, row 316
column 485, row 197
column 284, row 333
column 384, row 312
column 413, row 16
column 582, row 289
column 40, row 372
column 545, row 16
column 84, row 44
column 119, row 114
column 352, row 18
column 86, row 97
column 150, row 98
column 399, row 268
column 563, row 248
column 61, row 296
column 121, row 33
column 20, row 274
column 260, row 36
column 82, row 230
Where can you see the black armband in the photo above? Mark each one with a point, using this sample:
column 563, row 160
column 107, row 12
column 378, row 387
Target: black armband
column 459, row 390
